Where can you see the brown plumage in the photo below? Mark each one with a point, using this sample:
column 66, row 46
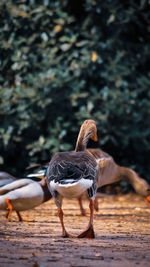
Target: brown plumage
column 109, row 172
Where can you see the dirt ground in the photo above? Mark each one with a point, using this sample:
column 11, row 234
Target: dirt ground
column 122, row 227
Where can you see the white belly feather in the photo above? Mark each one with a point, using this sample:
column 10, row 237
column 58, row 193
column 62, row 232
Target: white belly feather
column 71, row 190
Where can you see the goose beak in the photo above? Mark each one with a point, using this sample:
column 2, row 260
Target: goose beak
column 147, row 201
column 148, row 198
column 95, row 138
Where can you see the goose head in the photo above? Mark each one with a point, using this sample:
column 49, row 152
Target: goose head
column 87, row 131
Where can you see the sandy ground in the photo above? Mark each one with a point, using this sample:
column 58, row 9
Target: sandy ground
column 122, row 227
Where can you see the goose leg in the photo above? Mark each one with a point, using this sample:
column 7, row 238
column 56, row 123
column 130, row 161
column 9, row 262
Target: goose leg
column 9, row 207
column 96, row 203
column 83, row 212
column 89, row 233
column 147, row 201
column 64, row 232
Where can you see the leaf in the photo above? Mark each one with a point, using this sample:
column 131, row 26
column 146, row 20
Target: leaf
column 65, row 47
column 57, row 28
column 94, row 57
column 1, row 160
column 111, row 19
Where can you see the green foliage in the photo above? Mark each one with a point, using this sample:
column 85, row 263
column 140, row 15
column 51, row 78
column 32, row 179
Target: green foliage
column 62, row 64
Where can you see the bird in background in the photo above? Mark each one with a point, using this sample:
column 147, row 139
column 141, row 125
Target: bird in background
column 109, row 172
column 23, row 194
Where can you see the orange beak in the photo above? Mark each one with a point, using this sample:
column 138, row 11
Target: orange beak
column 148, row 198
column 147, row 201
column 95, row 138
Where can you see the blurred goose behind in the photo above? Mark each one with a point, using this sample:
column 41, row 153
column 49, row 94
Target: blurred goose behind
column 109, row 172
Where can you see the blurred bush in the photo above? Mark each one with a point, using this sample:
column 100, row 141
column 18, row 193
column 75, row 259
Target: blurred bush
column 65, row 61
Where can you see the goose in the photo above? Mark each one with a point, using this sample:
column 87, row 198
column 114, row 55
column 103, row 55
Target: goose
column 109, row 172
column 23, row 194
column 70, row 174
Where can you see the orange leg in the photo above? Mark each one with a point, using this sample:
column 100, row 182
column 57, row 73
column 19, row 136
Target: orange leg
column 9, row 207
column 64, row 232
column 147, row 201
column 89, row 233
column 83, row 212
column 18, row 214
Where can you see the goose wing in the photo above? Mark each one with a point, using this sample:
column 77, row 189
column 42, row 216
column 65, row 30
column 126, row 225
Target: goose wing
column 71, row 167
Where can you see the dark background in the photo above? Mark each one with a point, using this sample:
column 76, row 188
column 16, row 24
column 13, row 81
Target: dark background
column 66, row 61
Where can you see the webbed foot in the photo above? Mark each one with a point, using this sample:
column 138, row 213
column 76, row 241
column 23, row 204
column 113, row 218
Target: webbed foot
column 89, row 233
